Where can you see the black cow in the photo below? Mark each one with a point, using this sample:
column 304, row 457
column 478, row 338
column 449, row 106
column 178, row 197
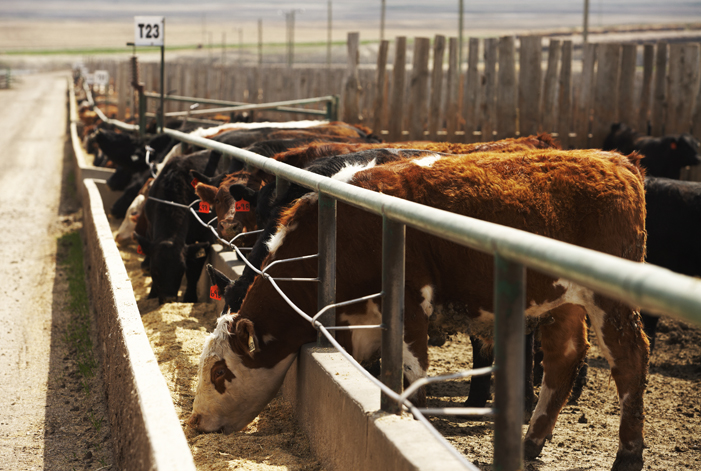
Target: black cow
column 662, row 156
column 177, row 244
column 673, row 231
column 128, row 153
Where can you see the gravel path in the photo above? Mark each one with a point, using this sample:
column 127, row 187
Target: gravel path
column 46, row 413
column 33, row 121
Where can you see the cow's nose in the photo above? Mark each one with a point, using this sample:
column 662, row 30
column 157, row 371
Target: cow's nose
column 228, row 224
column 194, row 421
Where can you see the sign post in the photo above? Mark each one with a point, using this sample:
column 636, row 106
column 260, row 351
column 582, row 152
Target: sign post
column 150, row 31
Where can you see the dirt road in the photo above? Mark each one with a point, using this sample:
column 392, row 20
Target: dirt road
column 33, row 123
column 42, row 408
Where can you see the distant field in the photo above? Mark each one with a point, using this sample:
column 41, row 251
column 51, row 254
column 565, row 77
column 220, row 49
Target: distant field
column 28, row 43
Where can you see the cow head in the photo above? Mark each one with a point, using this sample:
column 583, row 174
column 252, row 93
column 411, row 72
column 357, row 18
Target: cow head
column 686, row 149
column 217, row 194
column 246, row 199
column 234, row 385
column 126, row 229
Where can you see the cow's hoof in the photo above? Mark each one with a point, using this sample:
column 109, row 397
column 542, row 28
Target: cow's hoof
column 627, row 461
column 531, row 450
column 475, row 402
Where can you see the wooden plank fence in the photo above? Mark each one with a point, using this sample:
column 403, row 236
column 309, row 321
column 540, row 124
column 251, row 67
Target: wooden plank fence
column 510, row 86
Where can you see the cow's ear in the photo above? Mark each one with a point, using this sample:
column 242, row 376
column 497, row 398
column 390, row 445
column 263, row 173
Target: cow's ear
column 688, row 141
column 246, row 341
column 143, row 242
column 200, row 177
column 242, row 192
column 217, row 278
column 206, row 193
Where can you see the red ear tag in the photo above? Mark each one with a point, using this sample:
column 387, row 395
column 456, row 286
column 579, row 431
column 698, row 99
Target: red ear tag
column 194, row 182
column 214, row 292
column 242, row 206
column 673, row 145
column 204, row 207
column 139, row 250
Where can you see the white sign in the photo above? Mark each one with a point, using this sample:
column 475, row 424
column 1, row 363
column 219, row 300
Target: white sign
column 102, row 78
column 149, row 30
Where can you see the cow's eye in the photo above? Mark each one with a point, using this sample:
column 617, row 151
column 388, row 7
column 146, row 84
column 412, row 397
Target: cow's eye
column 219, row 372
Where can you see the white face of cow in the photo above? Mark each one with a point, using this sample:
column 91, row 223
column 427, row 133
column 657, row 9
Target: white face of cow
column 229, row 394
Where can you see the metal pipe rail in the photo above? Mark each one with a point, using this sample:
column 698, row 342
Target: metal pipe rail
column 330, row 100
column 103, row 117
column 209, row 101
column 190, row 119
column 649, row 287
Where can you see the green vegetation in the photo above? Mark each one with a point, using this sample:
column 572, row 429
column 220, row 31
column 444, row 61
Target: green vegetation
column 95, row 421
column 78, row 329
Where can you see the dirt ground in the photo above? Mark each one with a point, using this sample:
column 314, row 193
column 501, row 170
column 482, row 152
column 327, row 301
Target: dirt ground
column 586, row 434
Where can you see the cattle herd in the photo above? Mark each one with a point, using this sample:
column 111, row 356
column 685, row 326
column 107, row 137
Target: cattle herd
column 624, row 199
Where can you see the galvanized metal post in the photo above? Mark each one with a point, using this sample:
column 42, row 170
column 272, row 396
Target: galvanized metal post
column 327, row 263
column 281, row 186
column 393, row 261
column 332, row 108
column 509, row 337
column 142, row 111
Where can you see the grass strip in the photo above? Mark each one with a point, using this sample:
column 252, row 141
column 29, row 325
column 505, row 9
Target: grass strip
column 77, row 335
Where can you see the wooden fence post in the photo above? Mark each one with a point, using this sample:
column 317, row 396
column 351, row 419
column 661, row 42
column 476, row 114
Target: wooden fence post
column 507, row 91
column 418, row 89
column 696, row 118
column 585, row 93
column 434, row 117
column 529, row 84
column 490, row 89
column 683, row 86
column 564, row 102
column 605, row 101
column 549, row 112
column 657, row 119
column 396, row 110
column 644, row 109
column 471, row 95
column 378, row 121
column 351, row 90
column 626, row 85
column 451, row 97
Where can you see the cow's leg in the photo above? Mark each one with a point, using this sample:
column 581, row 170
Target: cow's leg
column 529, row 397
column 626, row 348
column 650, row 326
column 417, row 310
column 564, row 345
column 479, row 385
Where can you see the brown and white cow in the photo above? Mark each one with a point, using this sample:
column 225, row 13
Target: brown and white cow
column 593, row 199
column 230, row 223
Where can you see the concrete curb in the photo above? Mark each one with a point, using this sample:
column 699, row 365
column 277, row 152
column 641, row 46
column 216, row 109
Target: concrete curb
column 339, row 410
column 145, row 428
